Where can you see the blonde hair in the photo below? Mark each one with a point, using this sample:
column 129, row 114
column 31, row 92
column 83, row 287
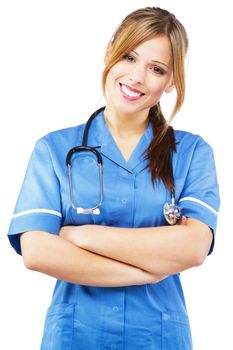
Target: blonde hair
column 142, row 25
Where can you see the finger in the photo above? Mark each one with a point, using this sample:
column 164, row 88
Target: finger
column 183, row 220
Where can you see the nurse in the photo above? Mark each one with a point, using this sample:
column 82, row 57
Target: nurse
column 118, row 284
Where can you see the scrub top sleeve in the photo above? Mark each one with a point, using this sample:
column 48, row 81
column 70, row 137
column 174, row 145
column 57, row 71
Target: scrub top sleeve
column 39, row 204
column 199, row 198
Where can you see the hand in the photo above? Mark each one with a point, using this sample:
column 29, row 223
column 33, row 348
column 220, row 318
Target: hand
column 182, row 221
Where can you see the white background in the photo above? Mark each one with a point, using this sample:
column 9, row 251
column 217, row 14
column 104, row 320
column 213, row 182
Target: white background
column 50, row 67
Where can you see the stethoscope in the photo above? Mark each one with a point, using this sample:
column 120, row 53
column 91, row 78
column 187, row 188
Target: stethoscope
column 171, row 211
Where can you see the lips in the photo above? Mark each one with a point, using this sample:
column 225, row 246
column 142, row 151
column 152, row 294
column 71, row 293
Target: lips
column 130, row 93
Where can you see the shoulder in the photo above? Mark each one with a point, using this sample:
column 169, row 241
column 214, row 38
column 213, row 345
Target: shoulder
column 188, row 141
column 55, row 145
column 63, row 138
column 192, row 149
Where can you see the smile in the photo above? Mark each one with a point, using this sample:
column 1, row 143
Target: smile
column 129, row 93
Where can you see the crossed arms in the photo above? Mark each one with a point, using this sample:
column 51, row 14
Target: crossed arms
column 108, row 256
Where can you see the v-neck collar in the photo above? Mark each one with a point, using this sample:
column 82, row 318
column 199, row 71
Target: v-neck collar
column 110, row 149
column 100, row 137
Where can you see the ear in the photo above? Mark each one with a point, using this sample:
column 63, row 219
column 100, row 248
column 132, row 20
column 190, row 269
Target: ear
column 170, row 85
column 169, row 88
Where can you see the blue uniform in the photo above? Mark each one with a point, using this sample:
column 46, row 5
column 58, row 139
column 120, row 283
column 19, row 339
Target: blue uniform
column 151, row 316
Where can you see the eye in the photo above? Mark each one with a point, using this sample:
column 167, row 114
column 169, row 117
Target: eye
column 128, row 57
column 157, row 70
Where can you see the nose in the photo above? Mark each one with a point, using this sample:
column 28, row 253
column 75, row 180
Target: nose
column 137, row 75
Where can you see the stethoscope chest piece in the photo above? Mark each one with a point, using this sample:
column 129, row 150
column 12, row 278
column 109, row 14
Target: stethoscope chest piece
column 172, row 211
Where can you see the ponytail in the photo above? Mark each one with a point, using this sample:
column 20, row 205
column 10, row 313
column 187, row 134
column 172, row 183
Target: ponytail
column 159, row 151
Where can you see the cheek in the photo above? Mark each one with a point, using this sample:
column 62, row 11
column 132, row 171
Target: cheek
column 157, row 91
column 111, row 77
column 118, row 71
column 115, row 72
column 157, row 87
column 109, row 84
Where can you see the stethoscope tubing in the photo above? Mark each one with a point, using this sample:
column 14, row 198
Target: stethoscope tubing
column 172, row 212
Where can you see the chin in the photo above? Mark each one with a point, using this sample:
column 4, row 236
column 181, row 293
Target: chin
column 128, row 108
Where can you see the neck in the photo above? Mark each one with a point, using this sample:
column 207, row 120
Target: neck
column 126, row 124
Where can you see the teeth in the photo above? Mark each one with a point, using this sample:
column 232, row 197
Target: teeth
column 129, row 92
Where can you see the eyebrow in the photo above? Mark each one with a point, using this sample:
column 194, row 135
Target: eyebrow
column 155, row 61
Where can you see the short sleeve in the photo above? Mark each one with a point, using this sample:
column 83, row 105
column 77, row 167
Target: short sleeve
column 39, row 205
column 199, row 198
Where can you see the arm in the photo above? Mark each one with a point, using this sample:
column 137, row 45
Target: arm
column 159, row 250
column 54, row 256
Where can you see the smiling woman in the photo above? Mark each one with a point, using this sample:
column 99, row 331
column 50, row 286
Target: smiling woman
column 133, row 85
column 141, row 76
column 118, row 268
column 161, row 29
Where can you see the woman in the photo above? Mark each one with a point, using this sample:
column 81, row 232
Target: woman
column 118, row 262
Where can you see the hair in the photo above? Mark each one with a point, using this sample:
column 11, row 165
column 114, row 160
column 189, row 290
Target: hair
column 136, row 28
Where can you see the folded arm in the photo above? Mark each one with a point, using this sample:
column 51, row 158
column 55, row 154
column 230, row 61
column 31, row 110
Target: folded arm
column 57, row 257
column 159, row 250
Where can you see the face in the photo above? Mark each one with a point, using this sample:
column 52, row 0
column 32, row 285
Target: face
column 139, row 79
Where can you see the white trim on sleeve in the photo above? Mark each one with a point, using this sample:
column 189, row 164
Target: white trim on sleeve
column 32, row 211
column 193, row 199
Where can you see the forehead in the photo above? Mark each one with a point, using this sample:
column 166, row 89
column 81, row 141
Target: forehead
column 156, row 48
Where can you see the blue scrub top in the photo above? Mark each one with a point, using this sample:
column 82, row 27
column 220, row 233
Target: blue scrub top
column 151, row 316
